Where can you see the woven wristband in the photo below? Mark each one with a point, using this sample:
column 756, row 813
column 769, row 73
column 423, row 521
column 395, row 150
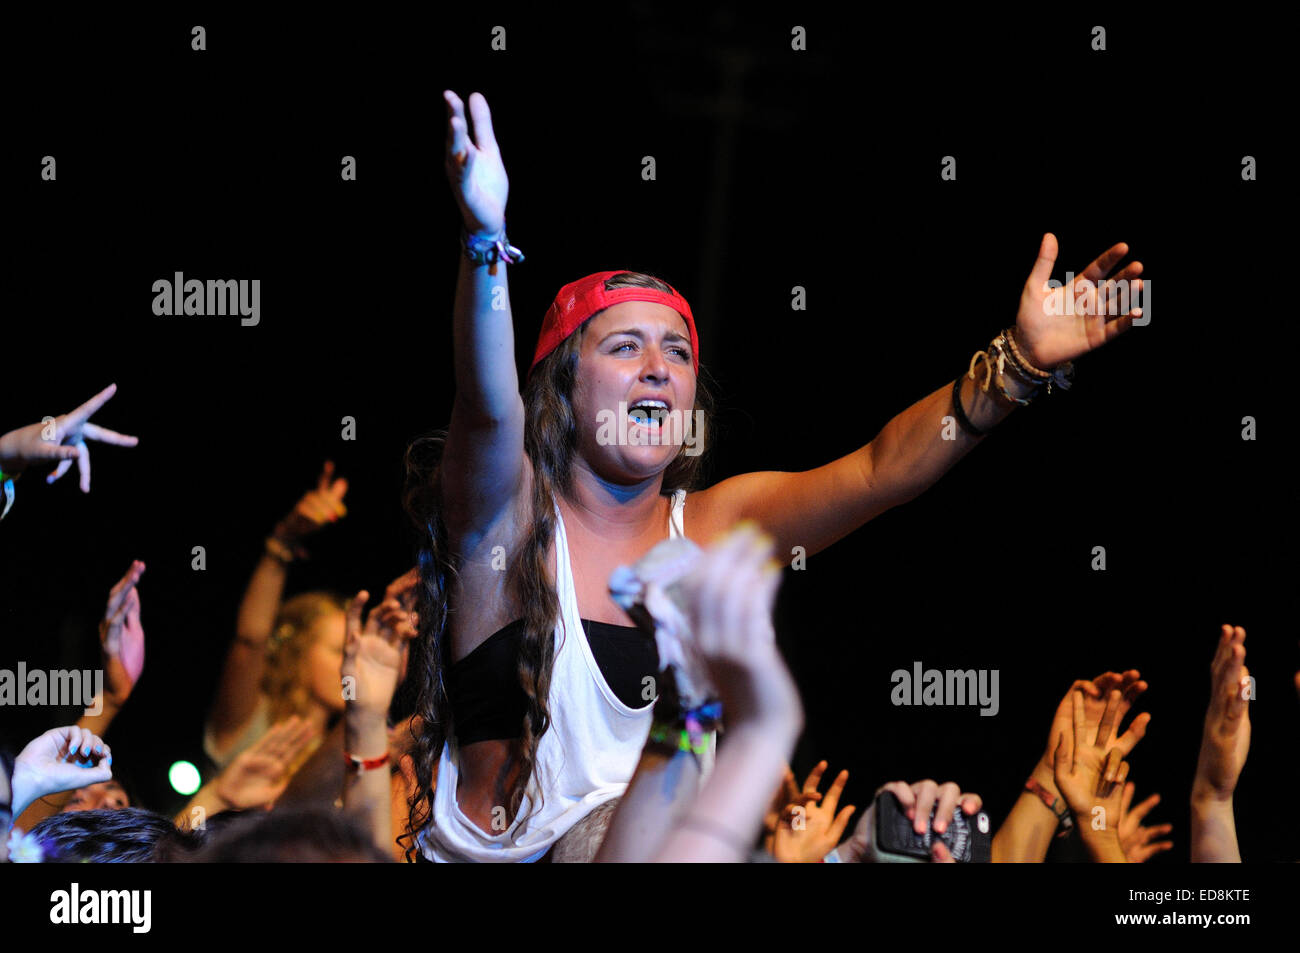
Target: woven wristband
column 488, row 251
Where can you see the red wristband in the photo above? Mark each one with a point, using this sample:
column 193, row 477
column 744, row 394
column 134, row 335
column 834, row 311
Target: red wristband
column 1064, row 816
column 357, row 765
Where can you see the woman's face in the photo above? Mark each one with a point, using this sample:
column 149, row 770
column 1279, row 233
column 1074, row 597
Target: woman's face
column 325, row 659
column 631, row 353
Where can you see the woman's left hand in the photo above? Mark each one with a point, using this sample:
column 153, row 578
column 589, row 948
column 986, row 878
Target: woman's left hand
column 1047, row 333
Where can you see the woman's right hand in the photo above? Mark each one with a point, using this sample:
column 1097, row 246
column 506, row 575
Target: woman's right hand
column 474, row 168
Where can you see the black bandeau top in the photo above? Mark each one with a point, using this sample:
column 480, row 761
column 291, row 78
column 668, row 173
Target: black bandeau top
column 488, row 703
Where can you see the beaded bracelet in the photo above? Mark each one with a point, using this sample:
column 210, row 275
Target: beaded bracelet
column 1019, row 357
column 1062, row 376
column 1021, row 374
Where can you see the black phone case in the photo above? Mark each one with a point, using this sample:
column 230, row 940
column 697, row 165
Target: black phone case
column 967, row 838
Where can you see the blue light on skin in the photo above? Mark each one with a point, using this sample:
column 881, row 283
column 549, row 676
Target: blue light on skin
column 184, row 777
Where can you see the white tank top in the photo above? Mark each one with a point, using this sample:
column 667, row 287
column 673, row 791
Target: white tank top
column 586, row 757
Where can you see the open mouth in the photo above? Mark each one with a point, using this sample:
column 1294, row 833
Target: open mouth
column 648, row 413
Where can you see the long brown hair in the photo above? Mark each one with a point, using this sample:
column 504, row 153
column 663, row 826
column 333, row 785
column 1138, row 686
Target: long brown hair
column 287, row 680
column 550, row 441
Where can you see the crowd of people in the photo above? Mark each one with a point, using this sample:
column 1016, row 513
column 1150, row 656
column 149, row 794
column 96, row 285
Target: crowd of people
column 549, row 682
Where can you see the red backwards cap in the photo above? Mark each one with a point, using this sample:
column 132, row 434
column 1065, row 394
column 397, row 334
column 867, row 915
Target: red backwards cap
column 579, row 300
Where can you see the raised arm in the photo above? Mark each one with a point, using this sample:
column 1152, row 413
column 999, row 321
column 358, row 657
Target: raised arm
column 256, row 777
column 483, row 461
column 240, row 689
column 61, row 441
column 818, row 507
column 373, row 661
column 1027, row 833
column 1224, row 746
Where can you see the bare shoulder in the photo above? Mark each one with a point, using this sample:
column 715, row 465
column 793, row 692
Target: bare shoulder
column 707, row 513
column 713, row 511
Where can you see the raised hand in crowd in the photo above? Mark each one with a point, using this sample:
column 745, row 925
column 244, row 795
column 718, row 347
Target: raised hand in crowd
column 121, row 638
column 1225, row 743
column 318, row 507
column 256, row 777
column 1050, row 332
column 374, row 658
column 806, row 830
column 787, row 795
column 242, row 701
column 1090, row 773
column 1027, row 833
column 1139, row 841
column 61, row 440
column 474, row 168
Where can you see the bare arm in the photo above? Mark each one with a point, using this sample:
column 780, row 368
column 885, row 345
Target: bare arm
column 818, row 507
column 121, row 638
column 368, row 794
column 1225, row 743
column 372, row 661
column 728, row 814
column 654, row 803
column 240, row 689
column 1027, row 833
column 483, row 461
column 256, row 778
